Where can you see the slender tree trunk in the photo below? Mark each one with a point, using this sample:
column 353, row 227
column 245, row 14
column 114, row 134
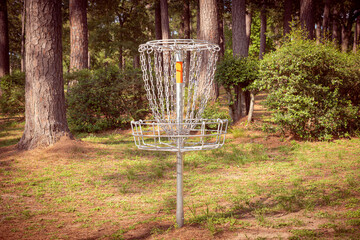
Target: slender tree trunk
column 287, row 16
column 325, row 22
column 248, row 20
column 45, row 118
column 136, row 61
column 221, row 27
column 4, row 40
column 307, row 17
column 23, row 14
column 262, row 32
column 158, row 31
column 198, row 20
column 120, row 58
column 356, row 35
column 239, row 29
column 318, row 31
column 78, row 35
column 165, row 29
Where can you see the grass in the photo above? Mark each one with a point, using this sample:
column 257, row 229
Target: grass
column 106, row 188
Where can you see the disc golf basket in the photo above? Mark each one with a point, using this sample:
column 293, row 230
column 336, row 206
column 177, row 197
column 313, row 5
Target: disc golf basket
column 178, row 75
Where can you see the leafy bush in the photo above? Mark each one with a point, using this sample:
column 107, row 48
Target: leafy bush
column 214, row 111
column 313, row 88
column 104, row 99
column 12, row 97
column 236, row 75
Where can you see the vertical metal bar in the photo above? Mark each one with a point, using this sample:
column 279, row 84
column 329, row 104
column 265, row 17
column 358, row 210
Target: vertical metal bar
column 179, row 156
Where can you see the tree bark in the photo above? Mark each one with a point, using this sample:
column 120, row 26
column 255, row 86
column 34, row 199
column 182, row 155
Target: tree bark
column 4, row 40
column 336, row 35
column 356, row 35
column 318, row 31
column 208, row 19
column 262, row 32
column 78, row 35
column 325, row 22
column 307, row 17
column 158, row 31
column 23, row 14
column 120, row 64
column 239, row 28
column 186, row 19
column 345, row 38
column 287, row 16
column 165, row 29
column 45, row 118
column 198, row 19
column 248, row 20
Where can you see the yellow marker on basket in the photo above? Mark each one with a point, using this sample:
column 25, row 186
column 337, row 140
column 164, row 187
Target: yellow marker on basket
column 179, row 72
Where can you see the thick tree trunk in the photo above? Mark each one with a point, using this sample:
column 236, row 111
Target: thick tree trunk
column 336, row 34
column 78, row 35
column 356, row 35
column 4, row 40
column 44, row 88
column 307, row 17
column 262, row 32
column 240, row 47
column 345, row 38
column 325, row 21
column 186, row 19
column 158, row 31
column 287, row 16
column 165, row 29
column 208, row 19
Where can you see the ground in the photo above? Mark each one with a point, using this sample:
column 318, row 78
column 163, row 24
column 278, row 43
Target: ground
column 260, row 185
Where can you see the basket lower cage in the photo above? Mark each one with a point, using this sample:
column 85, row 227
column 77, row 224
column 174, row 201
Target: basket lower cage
column 189, row 135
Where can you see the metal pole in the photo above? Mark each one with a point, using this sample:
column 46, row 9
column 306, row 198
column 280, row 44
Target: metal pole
column 179, row 156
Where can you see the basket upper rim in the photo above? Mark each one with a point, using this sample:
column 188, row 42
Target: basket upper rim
column 178, row 44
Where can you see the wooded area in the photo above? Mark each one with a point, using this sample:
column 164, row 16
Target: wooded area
column 49, row 39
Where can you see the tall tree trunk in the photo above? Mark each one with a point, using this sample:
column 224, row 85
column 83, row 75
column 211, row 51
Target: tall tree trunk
column 136, row 61
column 208, row 19
column 4, row 40
column 221, row 27
column 186, row 19
column 78, row 35
column 262, row 32
column 23, row 14
column 356, row 35
column 287, row 16
column 240, row 49
column 158, row 31
column 45, row 118
column 325, row 22
column 239, row 28
column 165, row 29
column 248, row 20
column 336, row 34
column 345, row 38
column 307, row 17
column 198, row 20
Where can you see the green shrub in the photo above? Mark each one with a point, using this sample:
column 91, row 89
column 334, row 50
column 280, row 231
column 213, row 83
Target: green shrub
column 236, row 75
column 12, row 97
column 313, row 88
column 104, row 99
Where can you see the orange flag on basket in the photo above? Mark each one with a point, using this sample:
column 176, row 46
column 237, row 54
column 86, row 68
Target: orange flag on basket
column 179, row 72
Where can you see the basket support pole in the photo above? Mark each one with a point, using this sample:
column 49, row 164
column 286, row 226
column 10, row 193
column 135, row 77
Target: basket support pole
column 179, row 156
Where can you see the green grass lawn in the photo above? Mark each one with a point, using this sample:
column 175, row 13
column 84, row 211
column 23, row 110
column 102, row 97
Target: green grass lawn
column 258, row 186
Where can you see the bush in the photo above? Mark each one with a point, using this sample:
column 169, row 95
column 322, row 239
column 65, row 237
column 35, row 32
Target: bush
column 104, row 99
column 313, row 88
column 236, row 75
column 12, row 97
